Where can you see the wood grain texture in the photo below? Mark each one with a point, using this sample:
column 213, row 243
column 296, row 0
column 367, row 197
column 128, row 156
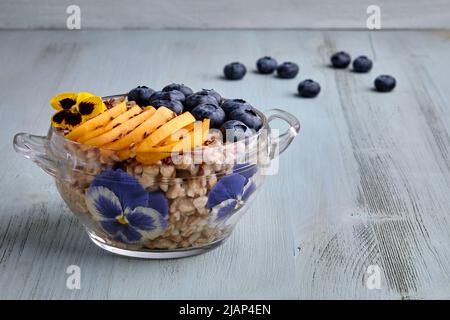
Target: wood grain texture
column 367, row 181
column 207, row 14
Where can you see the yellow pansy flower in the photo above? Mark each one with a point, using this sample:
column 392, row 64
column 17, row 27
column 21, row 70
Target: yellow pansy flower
column 75, row 108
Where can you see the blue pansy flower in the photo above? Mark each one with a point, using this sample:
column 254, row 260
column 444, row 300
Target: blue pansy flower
column 124, row 209
column 228, row 195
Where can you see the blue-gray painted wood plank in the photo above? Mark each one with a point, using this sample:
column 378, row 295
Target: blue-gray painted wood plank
column 366, row 182
column 231, row 14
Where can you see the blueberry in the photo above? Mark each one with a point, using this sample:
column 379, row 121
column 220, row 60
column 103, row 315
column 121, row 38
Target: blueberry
column 168, row 95
column 141, row 95
column 210, row 111
column 180, row 87
column 212, row 93
column 362, row 64
column 247, row 116
column 308, row 88
column 287, row 70
column 231, row 104
column 174, row 105
column 385, row 83
column 196, row 99
column 340, row 60
column 266, row 65
column 233, row 131
column 234, row 71
column 158, row 95
column 175, row 95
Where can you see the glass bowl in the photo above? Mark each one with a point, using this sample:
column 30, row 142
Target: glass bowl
column 183, row 205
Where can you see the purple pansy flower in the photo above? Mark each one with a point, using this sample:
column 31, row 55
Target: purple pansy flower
column 227, row 195
column 124, row 209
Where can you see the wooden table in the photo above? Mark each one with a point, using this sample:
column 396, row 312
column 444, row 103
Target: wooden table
column 366, row 183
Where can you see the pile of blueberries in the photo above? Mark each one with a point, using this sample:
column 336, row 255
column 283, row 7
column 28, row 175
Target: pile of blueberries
column 309, row 88
column 234, row 117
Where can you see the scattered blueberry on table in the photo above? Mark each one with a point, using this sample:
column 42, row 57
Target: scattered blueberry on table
column 362, row 64
column 234, row 130
column 340, row 60
column 308, row 88
column 385, row 83
column 141, row 95
column 210, row 111
column 287, row 70
column 266, row 65
column 234, row 71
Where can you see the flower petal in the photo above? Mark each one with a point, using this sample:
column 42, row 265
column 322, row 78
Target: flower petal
column 102, row 203
column 221, row 211
column 245, row 169
column 149, row 222
column 120, row 238
column 83, row 95
column 130, row 233
column 127, row 234
column 230, row 186
column 64, row 101
column 90, row 106
column 158, row 201
column 112, row 227
column 66, row 119
column 58, row 119
column 129, row 191
column 141, row 220
column 72, row 119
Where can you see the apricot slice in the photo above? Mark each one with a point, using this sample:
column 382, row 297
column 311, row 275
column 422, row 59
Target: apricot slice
column 96, row 122
column 205, row 129
column 165, row 131
column 192, row 140
column 121, row 118
column 177, row 135
column 183, row 132
column 160, row 117
column 120, row 130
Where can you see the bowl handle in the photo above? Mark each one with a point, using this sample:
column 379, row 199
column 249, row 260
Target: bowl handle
column 35, row 148
column 281, row 142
